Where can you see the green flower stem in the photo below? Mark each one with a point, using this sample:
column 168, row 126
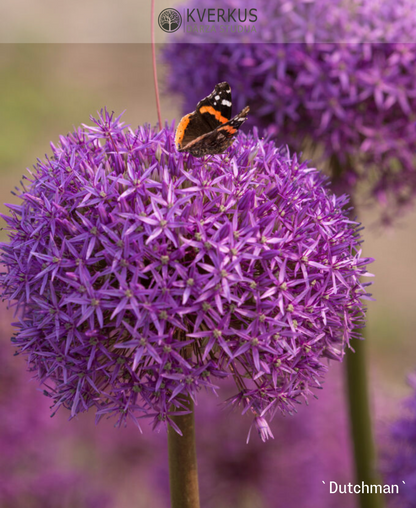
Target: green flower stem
column 152, row 36
column 183, row 471
column 358, row 400
column 360, row 424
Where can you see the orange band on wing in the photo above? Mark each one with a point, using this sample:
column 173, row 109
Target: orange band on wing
column 214, row 112
column 180, row 130
column 228, row 128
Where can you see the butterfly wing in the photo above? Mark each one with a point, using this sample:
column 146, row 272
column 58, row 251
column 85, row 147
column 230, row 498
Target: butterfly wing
column 218, row 140
column 211, row 112
column 216, row 108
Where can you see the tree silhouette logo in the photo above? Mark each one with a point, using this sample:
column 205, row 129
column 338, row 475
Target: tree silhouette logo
column 170, row 20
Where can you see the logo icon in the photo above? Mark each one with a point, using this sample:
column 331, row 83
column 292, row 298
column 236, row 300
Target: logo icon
column 170, row 20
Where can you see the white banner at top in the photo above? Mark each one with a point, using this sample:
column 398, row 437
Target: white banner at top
column 207, row 21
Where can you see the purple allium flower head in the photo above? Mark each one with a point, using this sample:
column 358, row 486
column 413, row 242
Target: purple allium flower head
column 32, row 471
column 142, row 275
column 312, row 80
column 399, row 461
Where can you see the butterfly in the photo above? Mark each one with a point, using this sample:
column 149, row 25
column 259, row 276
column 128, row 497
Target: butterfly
column 210, row 129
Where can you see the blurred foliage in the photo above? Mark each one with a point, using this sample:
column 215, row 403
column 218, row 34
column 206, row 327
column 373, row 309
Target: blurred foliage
column 33, row 101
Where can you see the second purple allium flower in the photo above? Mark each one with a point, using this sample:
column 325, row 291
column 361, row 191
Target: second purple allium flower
column 142, row 275
column 399, row 465
column 327, row 75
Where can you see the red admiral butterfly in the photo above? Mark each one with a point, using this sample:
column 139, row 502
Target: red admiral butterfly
column 210, row 129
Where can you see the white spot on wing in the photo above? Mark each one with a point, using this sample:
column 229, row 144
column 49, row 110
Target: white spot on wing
column 217, row 97
column 226, row 103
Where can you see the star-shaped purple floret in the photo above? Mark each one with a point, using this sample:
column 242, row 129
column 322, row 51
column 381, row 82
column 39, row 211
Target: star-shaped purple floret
column 142, row 275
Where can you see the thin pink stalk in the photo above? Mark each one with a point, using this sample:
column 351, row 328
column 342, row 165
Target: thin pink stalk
column 152, row 16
